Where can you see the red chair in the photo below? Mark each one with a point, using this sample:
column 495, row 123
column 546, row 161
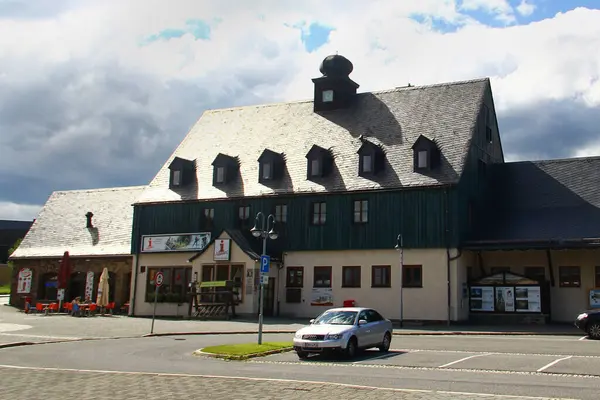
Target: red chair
column 110, row 307
column 39, row 307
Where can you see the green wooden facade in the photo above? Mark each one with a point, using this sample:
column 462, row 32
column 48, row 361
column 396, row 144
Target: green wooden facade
column 425, row 217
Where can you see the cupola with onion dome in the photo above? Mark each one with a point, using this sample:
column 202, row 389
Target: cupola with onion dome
column 334, row 89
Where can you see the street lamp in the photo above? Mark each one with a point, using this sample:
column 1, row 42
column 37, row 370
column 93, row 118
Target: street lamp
column 400, row 246
column 264, row 233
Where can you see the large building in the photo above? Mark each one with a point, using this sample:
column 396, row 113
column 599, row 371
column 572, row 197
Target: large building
column 343, row 174
column 94, row 227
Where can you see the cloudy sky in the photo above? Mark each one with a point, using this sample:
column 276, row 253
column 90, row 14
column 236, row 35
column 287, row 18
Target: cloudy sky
column 99, row 93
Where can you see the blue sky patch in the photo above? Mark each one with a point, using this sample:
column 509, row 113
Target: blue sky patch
column 315, row 36
column 198, row 28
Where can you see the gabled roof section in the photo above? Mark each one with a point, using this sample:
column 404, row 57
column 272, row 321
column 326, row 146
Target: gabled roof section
column 423, row 140
column 243, row 241
column 61, row 224
column 393, row 119
column 179, row 163
column 270, row 155
column 541, row 201
column 317, row 151
column 224, row 160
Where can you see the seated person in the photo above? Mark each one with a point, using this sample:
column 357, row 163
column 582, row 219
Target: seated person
column 75, row 303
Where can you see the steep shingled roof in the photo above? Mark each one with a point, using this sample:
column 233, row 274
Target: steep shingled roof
column 550, row 200
column 61, row 224
column 393, row 119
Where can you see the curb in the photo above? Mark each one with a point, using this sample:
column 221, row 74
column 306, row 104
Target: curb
column 444, row 333
column 241, row 357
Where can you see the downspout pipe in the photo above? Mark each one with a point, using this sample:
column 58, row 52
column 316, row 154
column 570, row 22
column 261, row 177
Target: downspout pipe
column 137, row 261
column 449, row 259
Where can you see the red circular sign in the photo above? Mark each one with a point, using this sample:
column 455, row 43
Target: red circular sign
column 159, row 278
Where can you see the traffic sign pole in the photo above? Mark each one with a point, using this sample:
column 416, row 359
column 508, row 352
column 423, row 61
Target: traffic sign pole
column 158, row 281
column 265, row 262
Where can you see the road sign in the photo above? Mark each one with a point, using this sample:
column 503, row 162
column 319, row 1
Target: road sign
column 158, row 279
column 265, row 263
column 264, row 279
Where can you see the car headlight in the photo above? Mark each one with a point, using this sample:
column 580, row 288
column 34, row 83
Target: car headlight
column 334, row 336
column 298, row 335
column 582, row 316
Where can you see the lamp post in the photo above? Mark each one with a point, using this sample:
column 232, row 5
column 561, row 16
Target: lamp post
column 265, row 233
column 400, row 246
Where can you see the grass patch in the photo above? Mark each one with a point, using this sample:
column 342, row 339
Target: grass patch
column 4, row 289
column 243, row 351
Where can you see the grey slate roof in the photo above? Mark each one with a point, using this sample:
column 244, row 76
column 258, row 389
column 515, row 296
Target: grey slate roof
column 394, row 119
column 551, row 200
column 61, row 224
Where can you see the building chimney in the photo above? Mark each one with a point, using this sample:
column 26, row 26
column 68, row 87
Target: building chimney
column 89, row 216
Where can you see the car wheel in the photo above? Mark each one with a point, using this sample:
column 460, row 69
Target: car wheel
column 302, row 355
column 385, row 344
column 351, row 348
column 594, row 330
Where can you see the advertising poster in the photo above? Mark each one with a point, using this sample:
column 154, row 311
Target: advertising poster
column 528, row 299
column 595, row 298
column 24, row 280
column 89, row 285
column 181, row 242
column 482, row 298
column 322, row 297
column 222, row 250
column 505, row 299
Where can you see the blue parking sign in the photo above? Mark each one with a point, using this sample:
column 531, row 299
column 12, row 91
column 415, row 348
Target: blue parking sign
column 265, row 263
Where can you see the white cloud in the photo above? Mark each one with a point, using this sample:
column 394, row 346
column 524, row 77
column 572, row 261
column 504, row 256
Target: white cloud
column 525, row 8
column 87, row 106
column 18, row 212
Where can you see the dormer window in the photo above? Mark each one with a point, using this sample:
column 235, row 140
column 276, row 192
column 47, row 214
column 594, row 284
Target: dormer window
column 371, row 159
column 327, row 96
column 426, row 154
column 319, row 162
column 181, row 172
column 271, row 166
column 225, row 169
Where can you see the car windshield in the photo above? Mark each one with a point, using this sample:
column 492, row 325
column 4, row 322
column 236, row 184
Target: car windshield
column 336, row 318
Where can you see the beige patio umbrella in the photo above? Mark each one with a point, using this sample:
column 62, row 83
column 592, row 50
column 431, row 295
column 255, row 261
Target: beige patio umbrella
column 102, row 300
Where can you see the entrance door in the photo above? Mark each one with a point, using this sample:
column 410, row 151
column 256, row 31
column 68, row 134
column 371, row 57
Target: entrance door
column 269, row 304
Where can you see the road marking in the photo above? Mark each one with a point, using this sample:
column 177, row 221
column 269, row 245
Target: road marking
column 247, row 378
column 583, row 338
column 501, row 353
column 40, row 336
column 464, row 359
column 553, row 363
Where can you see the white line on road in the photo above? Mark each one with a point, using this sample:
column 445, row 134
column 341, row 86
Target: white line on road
column 464, row 359
column 40, row 336
column 583, row 338
column 384, row 355
column 553, row 363
column 246, row 378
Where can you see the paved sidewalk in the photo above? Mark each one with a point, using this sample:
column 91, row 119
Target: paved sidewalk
column 16, row 326
column 52, row 385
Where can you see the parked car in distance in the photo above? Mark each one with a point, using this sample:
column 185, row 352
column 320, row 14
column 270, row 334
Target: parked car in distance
column 347, row 330
column 589, row 322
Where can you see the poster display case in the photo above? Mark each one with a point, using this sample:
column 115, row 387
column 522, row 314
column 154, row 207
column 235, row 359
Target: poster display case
column 505, row 293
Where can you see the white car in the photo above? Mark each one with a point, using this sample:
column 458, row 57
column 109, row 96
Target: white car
column 344, row 329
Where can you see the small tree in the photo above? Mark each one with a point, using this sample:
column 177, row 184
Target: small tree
column 12, row 250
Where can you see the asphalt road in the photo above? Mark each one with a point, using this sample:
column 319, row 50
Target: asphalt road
column 542, row 366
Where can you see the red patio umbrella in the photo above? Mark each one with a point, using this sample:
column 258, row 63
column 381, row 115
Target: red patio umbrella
column 64, row 271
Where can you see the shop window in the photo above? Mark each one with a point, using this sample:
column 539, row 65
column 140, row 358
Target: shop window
column 536, row 273
column 322, row 277
column 569, row 276
column 412, row 276
column 351, row 276
column 223, row 272
column 294, row 277
column 381, row 276
column 174, row 287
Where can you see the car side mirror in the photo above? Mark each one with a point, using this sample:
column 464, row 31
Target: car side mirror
column 362, row 322
column 311, row 321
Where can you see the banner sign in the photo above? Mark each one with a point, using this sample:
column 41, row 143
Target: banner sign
column 176, row 242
